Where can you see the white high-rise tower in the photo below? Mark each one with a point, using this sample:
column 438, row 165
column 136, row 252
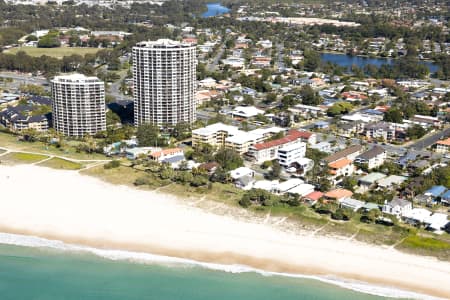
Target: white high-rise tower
column 164, row 75
column 78, row 105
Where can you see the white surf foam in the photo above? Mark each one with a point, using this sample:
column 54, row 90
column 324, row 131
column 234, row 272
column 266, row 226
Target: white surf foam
column 147, row 258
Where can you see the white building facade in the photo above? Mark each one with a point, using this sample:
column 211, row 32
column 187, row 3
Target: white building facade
column 291, row 154
column 164, row 76
column 78, row 105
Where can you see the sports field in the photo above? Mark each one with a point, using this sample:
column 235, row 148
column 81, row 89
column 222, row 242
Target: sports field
column 53, row 52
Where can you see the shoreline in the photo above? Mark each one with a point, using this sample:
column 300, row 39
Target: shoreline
column 171, row 261
column 150, row 222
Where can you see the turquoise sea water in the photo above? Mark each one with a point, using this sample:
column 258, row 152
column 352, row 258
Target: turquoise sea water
column 50, row 274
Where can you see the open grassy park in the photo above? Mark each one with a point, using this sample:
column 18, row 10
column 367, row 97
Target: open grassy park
column 61, row 164
column 53, row 52
column 20, row 157
column 68, row 150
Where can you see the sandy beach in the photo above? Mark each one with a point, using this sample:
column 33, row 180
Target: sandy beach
column 78, row 209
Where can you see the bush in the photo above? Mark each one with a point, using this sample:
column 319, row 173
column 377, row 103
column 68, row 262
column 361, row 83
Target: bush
column 245, row 202
column 141, row 181
column 112, row 164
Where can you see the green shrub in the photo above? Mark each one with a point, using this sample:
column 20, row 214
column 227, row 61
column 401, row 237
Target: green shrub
column 112, row 164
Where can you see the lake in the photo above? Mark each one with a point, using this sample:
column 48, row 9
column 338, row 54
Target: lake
column 215, row 9
column 361, row 61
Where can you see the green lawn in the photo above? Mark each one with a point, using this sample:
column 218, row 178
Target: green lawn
column 434, row 246
column 10, row 141
column 62, row 164
column 20, row 157
column 53, row 52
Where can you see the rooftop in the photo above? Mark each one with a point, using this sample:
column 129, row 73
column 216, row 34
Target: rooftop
column 344, row 153
column 340, row 163
column 372, row 177
column 445, row 142
column 374, row 152
column 75, row 78
column 338, row 194
column 163, row 44
column 290, row 137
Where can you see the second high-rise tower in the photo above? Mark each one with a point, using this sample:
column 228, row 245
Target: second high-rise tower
column 164, row 76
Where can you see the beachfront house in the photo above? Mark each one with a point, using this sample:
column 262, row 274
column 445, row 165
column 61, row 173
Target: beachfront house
column 397, row 207
column 351, row 203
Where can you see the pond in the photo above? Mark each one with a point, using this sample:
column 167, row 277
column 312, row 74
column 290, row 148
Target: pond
column 215, row 9
column 361, row 61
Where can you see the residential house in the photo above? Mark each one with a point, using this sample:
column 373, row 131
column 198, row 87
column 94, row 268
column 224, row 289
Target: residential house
column 370, row 180
column 426, row 121
column 285, row 186
column 351, row 203
column 372, row 158
column 397, row 207
column 433, row 193
column 350, row 153
column 445, row 198
column 342, row 167
column 443, row 146
column 302, row 190
column 322, row 147
column 416, row 216
column 337, row 194
column 312, row 197
column 391, row 180
column 436, row 222
column 246, row 112
column 243, row 177
column 165, row 154
column 209, row 167
column 134, row 153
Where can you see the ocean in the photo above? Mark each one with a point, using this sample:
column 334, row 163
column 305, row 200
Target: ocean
column 35, row 268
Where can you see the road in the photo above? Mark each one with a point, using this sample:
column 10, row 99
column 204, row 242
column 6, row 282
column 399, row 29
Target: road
column 279, row 64
column 213, row 65
column 24, row 77
column 430, row 139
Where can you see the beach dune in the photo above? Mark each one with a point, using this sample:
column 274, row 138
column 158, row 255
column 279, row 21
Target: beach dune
column 78, row 209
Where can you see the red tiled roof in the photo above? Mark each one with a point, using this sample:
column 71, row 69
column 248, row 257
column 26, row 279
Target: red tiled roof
column 316, row 195
column 166, row 152
column 290, row 137
column 340, row 163
column 338, row 194
column 445, row 142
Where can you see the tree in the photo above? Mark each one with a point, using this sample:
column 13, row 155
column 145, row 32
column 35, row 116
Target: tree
column 270, row 98
column 393, row 115
column 309, row 96
column 415, row 132
column 275, row 171
column 228, row 159
column 339, row 108
column 49, row 41
column 148, row 135
column 311, row 60
column 349, row 183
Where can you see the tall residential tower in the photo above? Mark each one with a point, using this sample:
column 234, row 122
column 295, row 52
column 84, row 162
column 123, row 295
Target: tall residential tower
column 164, row 74
column 78, row 105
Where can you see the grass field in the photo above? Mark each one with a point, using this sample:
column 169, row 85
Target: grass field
column 53, row 52
column 69, row 151
column 61, row 164
column 19, row 157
